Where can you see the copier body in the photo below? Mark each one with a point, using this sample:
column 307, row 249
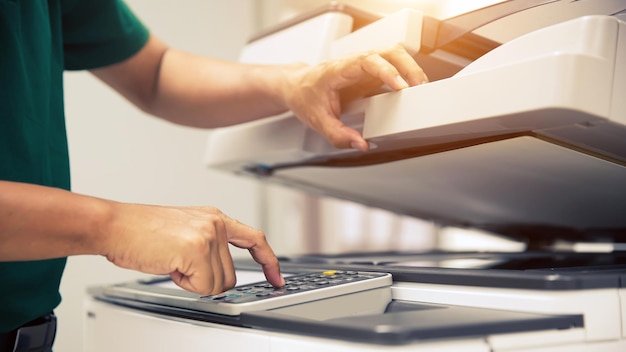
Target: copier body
column 525, row 139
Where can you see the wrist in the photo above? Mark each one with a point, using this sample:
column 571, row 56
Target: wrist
column 99, row 229
column 279, row 82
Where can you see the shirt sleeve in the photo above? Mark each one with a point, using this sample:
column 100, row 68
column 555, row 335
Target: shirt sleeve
column 99, row 33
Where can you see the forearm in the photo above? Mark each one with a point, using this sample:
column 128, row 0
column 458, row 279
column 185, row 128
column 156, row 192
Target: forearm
column 206, row 92
column 39, row 222
column 196, row 91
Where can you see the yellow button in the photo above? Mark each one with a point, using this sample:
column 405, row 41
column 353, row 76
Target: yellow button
column 330, row 272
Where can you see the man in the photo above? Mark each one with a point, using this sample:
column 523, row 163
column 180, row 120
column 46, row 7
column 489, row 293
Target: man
column 42, row 222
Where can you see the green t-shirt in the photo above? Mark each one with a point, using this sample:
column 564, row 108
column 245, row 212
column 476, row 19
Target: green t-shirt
column 38, row 40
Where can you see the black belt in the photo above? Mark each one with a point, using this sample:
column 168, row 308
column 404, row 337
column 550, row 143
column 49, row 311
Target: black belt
column 34, row 336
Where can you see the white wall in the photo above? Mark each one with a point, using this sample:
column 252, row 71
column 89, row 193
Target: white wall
column 119, row 153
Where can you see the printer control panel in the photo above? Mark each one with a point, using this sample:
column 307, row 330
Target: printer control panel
column 298, row 289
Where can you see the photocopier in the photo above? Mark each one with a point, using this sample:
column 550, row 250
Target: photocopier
column 525, row 139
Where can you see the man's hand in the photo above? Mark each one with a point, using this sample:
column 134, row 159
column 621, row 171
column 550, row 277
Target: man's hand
column 188, row 243
column 316, row 94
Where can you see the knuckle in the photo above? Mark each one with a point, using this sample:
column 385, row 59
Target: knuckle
column 213, row 210
column 338, row 138
column 337, row 142
column 230, row 282
column 362, row 56
column 258, row 236
column 213, row 225
column 398, row 48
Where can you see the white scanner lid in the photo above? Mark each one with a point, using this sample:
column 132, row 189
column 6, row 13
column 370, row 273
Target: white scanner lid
column 527, row 141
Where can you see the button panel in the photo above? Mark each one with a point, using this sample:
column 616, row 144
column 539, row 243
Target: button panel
column 293, row 285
